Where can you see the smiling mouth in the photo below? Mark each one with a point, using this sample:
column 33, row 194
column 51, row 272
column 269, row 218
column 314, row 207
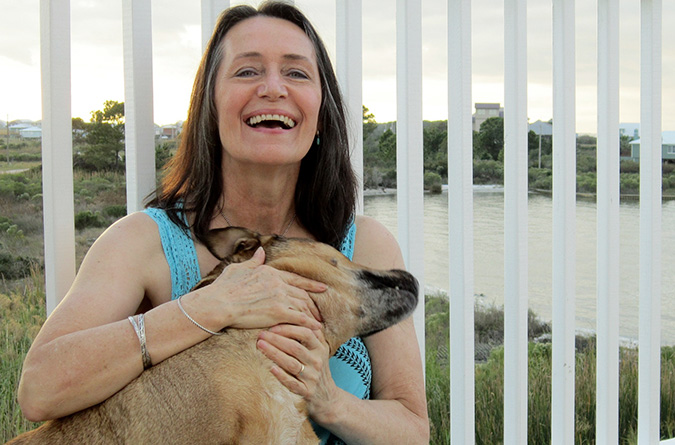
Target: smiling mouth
column 271, row 121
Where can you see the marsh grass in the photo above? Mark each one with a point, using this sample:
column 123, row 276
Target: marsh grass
column 22, row 313
column 489, row 384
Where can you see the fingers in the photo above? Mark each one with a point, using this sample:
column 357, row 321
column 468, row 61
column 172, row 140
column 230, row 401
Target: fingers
column 300, row 359
column 296, row 317
column 259, row 296
column 294, row 349
column 258, row 257
column 303, row 283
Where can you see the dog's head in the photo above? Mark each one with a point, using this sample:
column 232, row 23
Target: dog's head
column 359, row 301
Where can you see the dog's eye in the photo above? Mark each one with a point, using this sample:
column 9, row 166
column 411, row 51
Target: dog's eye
column 334, row 261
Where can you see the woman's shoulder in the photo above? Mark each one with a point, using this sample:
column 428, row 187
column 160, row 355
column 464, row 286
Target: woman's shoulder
column 375, row 246
column 133, row 232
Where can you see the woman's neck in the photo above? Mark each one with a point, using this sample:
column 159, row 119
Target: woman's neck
column 259, row 199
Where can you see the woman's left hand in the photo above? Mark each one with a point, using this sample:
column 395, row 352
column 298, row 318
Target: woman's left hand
column 301, row 357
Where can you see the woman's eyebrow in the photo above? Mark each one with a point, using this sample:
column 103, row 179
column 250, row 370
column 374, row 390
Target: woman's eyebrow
column 248, row 55
column 257, row 55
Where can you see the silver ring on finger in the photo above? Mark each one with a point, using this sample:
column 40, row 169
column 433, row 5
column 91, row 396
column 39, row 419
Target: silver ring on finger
column 301, row 370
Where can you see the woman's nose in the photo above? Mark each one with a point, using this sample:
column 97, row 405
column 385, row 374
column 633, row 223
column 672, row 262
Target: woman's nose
column 272, row 87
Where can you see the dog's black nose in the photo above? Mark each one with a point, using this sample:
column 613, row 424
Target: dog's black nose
column 391, row 279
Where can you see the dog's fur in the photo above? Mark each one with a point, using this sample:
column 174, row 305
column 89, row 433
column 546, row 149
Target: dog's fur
column 221, row 390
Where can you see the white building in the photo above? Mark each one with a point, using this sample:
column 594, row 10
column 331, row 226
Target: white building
column 31, row 133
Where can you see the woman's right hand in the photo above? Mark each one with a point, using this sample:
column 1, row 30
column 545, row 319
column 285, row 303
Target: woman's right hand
column 252, row 295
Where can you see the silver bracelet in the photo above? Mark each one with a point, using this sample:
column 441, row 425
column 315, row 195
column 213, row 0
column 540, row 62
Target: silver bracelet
column 139, row 328
column 193, row 321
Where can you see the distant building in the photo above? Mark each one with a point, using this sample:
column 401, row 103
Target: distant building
column 168, row 131
column 630, row 130
column 17, row 127
column 30, row 133
column 484, row 111
column 667, row 147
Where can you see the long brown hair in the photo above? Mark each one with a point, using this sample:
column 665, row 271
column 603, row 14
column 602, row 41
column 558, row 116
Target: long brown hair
column 325, row 195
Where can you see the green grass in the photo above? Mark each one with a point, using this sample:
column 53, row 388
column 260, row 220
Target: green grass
column 489, row 384
column 22, row 313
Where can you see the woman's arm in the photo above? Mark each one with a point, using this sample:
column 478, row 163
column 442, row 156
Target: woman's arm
column 87, row 350
column 397, row 412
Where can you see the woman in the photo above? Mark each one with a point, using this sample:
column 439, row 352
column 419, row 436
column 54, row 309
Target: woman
column 265, row 147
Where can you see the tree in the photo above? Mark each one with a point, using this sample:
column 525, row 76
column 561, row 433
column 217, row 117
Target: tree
column 79, row 130
column 387, row 148
column 436, row 150
column 490, row 139
column 624, row 144
column 105, row 138
column 369, row 123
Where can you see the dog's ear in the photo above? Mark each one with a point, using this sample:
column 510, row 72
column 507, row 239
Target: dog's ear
column 230, row 241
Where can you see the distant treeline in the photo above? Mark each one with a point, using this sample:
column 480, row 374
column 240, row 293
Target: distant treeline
column 379, row 158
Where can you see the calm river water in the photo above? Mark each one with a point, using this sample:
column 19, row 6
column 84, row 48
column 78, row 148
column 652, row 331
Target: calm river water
column 489, row 254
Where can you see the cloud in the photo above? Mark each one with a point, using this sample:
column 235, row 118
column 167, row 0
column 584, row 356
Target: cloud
column 97, row 56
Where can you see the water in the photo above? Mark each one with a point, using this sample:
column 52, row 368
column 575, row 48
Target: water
column 489, row 254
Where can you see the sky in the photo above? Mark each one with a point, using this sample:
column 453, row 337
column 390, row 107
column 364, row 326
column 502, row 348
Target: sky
column 97, row 57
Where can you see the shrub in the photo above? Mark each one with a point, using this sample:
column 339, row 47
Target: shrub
column 389, row 178
column 630, row 183
column 115, row 211
column 488, row 172
column 88, row 218
column 630, row 167
column 14, row 185
column 540, row 179
column 14, row 267
column 586, row 163
column 27, row 157
column 433, row 182
column 372, row 177
column 586, row 183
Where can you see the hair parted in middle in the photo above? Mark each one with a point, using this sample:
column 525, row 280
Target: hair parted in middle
column 325, row 194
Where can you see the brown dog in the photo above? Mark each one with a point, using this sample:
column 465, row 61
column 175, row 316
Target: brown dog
column 220, row 390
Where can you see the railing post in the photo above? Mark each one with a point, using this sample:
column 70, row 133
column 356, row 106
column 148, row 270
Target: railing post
column 564, row 221
column 649, row 397
column 460, row 225
column 139, row 127
column 211, row 9
column 409, row 151
column 349, row 36
column 57, row 150
column 607, row 347
column 515, row 222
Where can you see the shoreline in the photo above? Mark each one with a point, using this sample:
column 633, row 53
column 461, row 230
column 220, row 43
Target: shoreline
column 479, row 305
column 498, row 188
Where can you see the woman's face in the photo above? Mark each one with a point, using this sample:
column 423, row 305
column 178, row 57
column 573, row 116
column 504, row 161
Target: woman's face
column 268, row 92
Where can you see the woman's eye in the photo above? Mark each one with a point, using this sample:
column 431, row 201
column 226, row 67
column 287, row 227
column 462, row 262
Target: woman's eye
column 246, row 72
column 298, row 74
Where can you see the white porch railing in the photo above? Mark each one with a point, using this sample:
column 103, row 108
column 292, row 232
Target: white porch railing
column 58, row 213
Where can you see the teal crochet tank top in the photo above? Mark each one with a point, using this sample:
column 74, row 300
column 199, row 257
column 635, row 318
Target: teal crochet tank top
column 350, row 366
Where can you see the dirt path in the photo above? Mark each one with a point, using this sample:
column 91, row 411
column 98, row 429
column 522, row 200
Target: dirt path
column 20, row 170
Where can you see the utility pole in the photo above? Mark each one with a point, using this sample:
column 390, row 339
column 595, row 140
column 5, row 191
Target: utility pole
column 7, row 124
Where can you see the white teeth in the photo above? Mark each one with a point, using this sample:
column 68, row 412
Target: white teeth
column 290, row 123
